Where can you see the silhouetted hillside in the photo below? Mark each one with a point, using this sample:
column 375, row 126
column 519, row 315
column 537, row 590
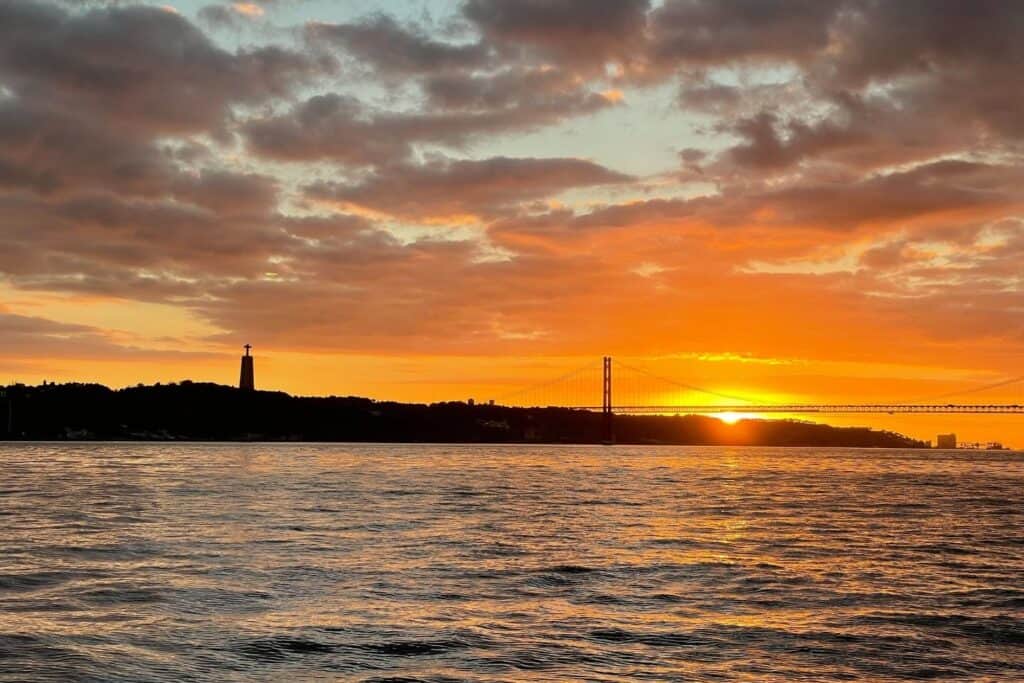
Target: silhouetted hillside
column 211, row 412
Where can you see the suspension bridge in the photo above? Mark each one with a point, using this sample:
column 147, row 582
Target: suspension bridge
column 627, row 389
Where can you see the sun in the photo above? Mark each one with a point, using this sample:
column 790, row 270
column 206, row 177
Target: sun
column 731, row 417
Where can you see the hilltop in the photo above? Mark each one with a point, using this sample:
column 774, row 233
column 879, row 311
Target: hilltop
column 192, row 411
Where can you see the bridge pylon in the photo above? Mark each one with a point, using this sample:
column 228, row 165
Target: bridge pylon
column 607, row 415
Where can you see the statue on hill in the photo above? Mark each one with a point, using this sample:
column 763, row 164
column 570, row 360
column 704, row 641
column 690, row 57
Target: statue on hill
column 247, row 380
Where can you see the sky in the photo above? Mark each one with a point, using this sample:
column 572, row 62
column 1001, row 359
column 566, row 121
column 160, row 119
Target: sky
column 800, row 200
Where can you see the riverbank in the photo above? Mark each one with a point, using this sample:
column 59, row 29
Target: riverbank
column 191, row 411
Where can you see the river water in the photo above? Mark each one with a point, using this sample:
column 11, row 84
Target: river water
column 171, row 562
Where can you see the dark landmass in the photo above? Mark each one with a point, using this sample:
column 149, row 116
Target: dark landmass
column 191, row 411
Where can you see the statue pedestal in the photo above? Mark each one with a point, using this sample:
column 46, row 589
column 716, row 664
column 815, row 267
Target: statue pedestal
column 247, row 380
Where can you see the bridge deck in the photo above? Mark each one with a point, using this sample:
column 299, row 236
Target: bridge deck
column 824, row 408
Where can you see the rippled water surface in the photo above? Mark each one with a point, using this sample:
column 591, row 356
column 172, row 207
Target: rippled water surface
column 133, row 562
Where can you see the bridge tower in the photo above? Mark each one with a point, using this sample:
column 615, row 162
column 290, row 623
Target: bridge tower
column 247, row 379
column 607, row 416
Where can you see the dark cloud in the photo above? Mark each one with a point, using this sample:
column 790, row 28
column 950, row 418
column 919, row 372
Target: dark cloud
column 219, row 16
column 328, row 127
column 342, row 128
column 720, row 31
column 452, row 188
column 142, row 249
column 892, row 83
column 888, row 202
column 138, row 66
column 574, row 32
column 527, row 89
column 770, row 144
column 227, row 193
column 397, row 50
column 54, row 154
column 890, row 199
column 30, row 336
column 885, row 40
column 849, row 131
column 53, row 151
column 867, row 133
column 885, row 199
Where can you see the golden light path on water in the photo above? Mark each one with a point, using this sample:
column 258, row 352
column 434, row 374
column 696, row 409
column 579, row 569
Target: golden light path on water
column 273, row 562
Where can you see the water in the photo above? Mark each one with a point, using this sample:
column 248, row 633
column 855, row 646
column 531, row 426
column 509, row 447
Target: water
column 134, row 562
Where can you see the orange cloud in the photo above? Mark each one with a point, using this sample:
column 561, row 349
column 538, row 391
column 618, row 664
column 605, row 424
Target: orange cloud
column 837, row 214
column 248, row 9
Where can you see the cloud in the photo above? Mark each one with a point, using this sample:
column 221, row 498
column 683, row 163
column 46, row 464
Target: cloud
column 876, row 85
column 530, row 90
column 853, row 159
column 344, row 129
column 53, row 154
column 228, row 193
column 446, row 188
column 887, row 201
column 885, row 41
column 221, row 16
column 577, row 33
column 32, row 336
column 394, row 49
column 139, row 66
column 51, row 151
column 148, row 250
column 331, row 127
column 706, row 32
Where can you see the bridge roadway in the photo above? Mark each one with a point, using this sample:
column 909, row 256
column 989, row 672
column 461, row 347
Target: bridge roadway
column 824, row 408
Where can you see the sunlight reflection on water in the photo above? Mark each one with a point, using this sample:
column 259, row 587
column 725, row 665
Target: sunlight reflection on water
column 439, row 563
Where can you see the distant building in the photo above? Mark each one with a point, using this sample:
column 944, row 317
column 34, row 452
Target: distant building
column 247, row 379
column 945, row 441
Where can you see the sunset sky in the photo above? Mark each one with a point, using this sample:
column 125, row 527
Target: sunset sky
column 797, row 201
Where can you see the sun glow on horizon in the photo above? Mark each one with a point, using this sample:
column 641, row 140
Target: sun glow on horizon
column 732, row 417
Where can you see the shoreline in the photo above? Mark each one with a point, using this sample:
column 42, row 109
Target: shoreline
column 518, row 444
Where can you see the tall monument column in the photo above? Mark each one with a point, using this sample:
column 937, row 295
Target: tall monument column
column 247, row 381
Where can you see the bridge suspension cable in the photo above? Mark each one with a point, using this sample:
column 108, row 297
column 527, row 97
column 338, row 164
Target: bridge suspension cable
column 576, row 388
column 637, row 390
column 974, row 390
column 680, row 385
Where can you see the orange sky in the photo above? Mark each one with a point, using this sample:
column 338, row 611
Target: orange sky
column 428, row 201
